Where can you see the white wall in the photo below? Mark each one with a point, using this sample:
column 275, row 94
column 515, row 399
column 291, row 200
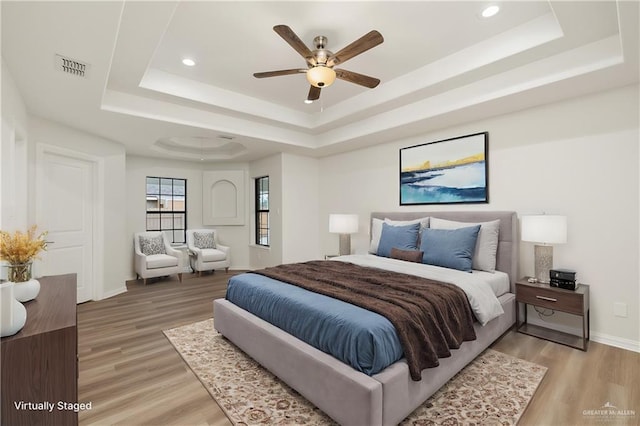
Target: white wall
column 578, row 158
column 300, row 205
column 13, row 157
column 137, row 170
column 261, row 257
column 114, row 257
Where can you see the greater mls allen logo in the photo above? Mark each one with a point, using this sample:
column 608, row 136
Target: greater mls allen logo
column 609, row 411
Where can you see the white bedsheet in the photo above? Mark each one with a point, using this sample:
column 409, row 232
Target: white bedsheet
column 497, row 280
column 477, row 286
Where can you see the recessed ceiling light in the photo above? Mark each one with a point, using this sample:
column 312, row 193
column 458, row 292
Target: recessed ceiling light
column 188, row 62
column 490, row 11
column 308, row 101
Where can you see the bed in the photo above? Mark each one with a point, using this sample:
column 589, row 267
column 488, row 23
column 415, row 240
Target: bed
column 352, row 397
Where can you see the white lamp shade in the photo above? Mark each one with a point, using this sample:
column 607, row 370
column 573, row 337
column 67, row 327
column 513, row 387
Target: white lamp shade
column 545, row 228
column 343, row 223
column 321, row 76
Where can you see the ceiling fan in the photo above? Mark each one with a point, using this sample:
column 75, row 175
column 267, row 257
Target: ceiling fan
column 321, row 62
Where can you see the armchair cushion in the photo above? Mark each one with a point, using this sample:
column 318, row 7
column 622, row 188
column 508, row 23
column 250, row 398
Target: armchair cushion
column 152, row 245
column 212, row 255
column 204, row 240
column 155, row 261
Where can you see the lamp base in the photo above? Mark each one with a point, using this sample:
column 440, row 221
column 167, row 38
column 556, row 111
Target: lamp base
column 543, row 262
column 345, row 244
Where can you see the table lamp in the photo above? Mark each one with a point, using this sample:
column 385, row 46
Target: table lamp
column 547, row 230
column 344, row 224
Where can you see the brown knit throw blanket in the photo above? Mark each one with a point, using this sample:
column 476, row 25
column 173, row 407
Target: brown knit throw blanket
column 430, row 317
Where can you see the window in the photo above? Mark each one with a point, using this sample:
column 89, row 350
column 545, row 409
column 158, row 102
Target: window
column 167, row 207
column 262, row 211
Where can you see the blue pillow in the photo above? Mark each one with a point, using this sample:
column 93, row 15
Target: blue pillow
column 400, row 237
column 450, row 248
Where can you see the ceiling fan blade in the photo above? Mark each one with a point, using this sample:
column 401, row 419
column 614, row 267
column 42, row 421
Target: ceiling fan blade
column 277, row 73
column 314, row 93
column 294, row 41
column 354, row 77
column 364, row 43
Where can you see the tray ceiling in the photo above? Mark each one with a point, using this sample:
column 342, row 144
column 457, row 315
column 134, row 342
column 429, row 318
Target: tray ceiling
column 441, row 64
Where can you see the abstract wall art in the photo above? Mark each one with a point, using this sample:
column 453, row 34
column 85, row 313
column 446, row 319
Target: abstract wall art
column 448, row 171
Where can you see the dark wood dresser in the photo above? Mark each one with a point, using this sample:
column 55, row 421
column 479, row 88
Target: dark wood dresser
column 40, row 362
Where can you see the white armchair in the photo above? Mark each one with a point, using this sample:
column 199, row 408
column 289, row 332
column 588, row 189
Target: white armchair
column 154, row 256
column 206, row 252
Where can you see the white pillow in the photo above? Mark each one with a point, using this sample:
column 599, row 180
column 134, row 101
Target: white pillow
column 484, row 258
column 376, row 229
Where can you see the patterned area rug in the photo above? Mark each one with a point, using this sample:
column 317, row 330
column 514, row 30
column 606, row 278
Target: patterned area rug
column 494, row 389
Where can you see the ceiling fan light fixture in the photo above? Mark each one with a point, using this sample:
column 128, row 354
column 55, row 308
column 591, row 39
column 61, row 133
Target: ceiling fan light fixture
column 321, row 76
column 320, row 62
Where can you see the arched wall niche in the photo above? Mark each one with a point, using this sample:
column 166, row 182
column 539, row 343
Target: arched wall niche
column 223, row 197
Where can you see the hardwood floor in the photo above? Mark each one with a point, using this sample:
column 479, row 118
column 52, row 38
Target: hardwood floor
column 578, row 383
column 132, row 375
column 129, row 371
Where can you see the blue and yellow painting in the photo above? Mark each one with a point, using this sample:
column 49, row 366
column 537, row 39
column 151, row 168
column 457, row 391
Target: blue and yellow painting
column 445, row 172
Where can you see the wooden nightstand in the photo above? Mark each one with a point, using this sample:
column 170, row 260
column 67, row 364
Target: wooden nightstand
column 544, row 296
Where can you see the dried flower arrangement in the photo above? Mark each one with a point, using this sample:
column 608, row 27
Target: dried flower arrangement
column 19, row 250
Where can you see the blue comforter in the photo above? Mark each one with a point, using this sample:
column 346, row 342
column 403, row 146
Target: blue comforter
column 362, row 339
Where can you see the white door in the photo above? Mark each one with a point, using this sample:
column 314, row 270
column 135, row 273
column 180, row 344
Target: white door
column 65, row 208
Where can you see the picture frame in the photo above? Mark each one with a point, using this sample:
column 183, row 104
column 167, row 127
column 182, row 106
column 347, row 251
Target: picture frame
column 448, row 171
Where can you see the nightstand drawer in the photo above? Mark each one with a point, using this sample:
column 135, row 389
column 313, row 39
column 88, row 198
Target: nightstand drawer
column 562, row 300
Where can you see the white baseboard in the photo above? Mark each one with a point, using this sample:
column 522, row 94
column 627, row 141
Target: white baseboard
column 241, row 268
column 618, row 342
column 233, row 268
column 606, row 339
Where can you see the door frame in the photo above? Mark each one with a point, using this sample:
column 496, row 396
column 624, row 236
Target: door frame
column 97, row 172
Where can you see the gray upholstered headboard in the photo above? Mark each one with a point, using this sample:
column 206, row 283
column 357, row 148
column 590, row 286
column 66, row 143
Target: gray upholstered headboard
column 508, row 243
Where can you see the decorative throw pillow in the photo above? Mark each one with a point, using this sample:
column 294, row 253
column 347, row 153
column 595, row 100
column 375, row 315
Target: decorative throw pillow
column 408, row 255
column 450, row 248
column 484, row 257
column 401, row 237
column 152, row 245
column 376, row 229
column 204, row 240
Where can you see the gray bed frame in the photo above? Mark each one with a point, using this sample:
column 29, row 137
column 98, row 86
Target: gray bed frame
column 348, row 396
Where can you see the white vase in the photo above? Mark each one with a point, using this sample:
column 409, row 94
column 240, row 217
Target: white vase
column 25, row 291
column 12, row 314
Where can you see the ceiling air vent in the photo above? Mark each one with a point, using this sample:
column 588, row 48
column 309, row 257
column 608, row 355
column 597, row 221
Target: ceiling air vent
column 71, row 66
